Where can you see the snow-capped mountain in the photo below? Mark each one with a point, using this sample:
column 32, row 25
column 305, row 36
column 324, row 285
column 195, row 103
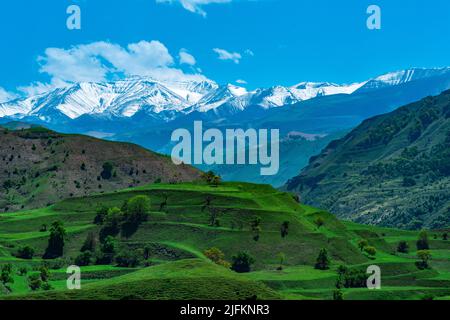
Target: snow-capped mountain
column 403, row 76
column 170, row 99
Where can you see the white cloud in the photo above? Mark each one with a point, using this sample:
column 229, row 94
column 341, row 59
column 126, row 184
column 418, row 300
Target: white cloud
column 240, row 81
column 102, row 61
column 194, row 6
column 226, row 55
column 187, row 58
column 6, row 96
column 249, row 52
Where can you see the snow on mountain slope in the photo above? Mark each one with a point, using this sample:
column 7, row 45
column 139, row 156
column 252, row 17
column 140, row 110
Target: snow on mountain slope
column 403, row 76
column 218, row 97
column 167, row 100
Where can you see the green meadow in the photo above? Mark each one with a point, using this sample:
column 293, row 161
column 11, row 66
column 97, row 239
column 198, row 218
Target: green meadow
column 185, row 220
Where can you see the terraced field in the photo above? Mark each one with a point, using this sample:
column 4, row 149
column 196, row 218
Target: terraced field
column 179, row 229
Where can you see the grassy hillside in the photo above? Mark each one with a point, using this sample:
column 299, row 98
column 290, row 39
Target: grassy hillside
column 180, row 227
column 392, row 170
column 40, row 167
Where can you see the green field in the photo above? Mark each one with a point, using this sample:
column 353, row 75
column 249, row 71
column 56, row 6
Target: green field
column 179, row 232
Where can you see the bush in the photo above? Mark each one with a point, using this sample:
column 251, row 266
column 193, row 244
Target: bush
column 107, row 170
column 34, row 282
column 25, row 252
column 127, row 259
column 83, row 259
column 362, row 244
column 371, row 251
column 403, row 247
column 242, row 262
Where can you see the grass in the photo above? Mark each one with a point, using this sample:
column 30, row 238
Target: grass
column 179, row 234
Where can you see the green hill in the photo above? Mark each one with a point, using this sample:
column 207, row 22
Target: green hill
column 40, row 167
column 392, row 170
column 186, row 219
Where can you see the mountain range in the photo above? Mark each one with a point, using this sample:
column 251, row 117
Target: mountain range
column 169, row 100
column 146, row 111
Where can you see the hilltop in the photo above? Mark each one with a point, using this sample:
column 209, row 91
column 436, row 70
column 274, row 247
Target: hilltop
column 40, row 166
column 392, row 170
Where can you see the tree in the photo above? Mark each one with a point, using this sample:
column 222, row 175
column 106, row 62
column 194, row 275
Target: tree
column 90, row 243
column 25, row 252
column 338, row 295
column 111, row 225
column 242, row 262
column 100, row 217
column 322, row 262
column 34, row 282
column 403, row 247
column 256, row 228
column 107, row 170
column 127, row 259
column 424, row 256
column 284, row 229
column 319, row 221
column 217, row 256
column 83, row 259
column 445, row 236
column 147, row 251
column 362, row 244
column 281, row 257
column 107, row 251
column 6, row 274
column 422, row 242
column 44, row 273
column 371, row 251
column 56, row 240
column 136, row 212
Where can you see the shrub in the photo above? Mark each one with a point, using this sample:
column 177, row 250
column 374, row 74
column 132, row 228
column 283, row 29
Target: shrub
column 25, row 252
column 319, row 221
column 362, row 244
column 403, row 247
column 34, row 282
column 127, row 259
column 107, row 170
column 83, row 259
column 371, row 251
column 242, row 262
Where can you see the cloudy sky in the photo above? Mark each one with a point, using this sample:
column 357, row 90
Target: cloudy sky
column 256, row 43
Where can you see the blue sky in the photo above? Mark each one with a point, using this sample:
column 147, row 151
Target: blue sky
column 263, row 42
